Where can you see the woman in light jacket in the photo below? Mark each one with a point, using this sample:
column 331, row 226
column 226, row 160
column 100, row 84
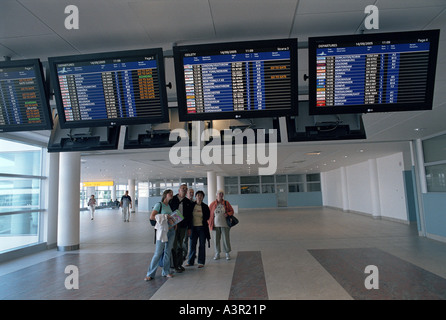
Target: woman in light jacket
column 162, row 249
column 219, row 210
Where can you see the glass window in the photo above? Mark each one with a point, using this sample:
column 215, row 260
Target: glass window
column 19, row 158
column 17, row 194
column 281, row 178
column 246, row 189
column 18, row 230
column 249, row 180
column 313, row 177
column 155, row 187
column 296, row 187
column 312, row 187
column 231, row 185
column 434, row 149
column 201, row 184
column 436, row 178
column 103, row 195
column 268, row 188
column 231, row 180
column 231, row 189
column 20, row 194
column 189, row 181
column 249, row 184
column 295, row 178
column 267, row 179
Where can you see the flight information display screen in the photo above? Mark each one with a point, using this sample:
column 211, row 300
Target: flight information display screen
column 237, row 80
column 110, row 88
column 23, row 101
column 370, row 73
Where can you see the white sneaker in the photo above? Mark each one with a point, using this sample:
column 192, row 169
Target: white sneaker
column 217, row 256
column 228, row 257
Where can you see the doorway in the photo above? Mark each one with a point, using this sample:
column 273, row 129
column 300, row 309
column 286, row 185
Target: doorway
column 282, row 195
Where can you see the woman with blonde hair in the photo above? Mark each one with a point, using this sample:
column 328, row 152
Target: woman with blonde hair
column 219, row 210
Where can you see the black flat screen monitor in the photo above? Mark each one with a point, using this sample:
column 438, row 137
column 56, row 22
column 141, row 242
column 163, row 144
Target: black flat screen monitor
column 236, row 80
column 382, row 72
column 24, row 103
column 106, row 89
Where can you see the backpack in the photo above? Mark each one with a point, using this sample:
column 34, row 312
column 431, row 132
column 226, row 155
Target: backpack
column 153, row 222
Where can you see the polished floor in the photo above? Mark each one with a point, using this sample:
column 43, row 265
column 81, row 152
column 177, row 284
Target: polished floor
column 282, row 254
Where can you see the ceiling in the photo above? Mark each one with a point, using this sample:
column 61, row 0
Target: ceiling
column 35, row 29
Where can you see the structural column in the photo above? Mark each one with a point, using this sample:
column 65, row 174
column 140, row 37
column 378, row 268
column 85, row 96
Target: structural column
column 220, row 183
column 113, row 191
column 68, row 231
column 374, row 188
column 53, row 199
column 344, row 190
column 131, row 188
column 212, row 186
column 420, row 178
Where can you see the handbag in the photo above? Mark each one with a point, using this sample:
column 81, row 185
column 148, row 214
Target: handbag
column 231, row 221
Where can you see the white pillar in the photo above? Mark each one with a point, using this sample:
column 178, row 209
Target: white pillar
column 212, row 186
column 68, row 224
column 220, row 183
column 53, row 199
column 374, row 188
column 420, row 177
column 113, row 191
column 344, row 189
column 131, row 188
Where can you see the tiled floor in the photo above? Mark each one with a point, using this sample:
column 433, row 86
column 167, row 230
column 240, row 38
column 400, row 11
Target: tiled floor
column 292, row 253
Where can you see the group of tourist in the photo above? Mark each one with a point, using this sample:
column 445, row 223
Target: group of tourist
column 178, row 243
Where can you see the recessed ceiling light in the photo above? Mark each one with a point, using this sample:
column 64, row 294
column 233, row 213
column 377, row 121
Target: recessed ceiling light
column 313, row 153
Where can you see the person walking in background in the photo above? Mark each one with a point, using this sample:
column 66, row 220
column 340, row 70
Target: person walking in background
column 200, row 231
column 126, row 205
column 164, row 238
column 184, row 205
column 92, row 206
column 219, row 210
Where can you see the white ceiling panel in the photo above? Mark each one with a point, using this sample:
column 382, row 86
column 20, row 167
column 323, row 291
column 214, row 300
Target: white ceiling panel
column 340, row 6
column 38, row 46
column 398, row 4
column 103, row 24
column 174, row 20
column 17, row 21
column 265, row 18
column 310, row 25
column 406, row 19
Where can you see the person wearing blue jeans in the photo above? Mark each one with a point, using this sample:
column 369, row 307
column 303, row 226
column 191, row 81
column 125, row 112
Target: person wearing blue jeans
column 162, row 249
